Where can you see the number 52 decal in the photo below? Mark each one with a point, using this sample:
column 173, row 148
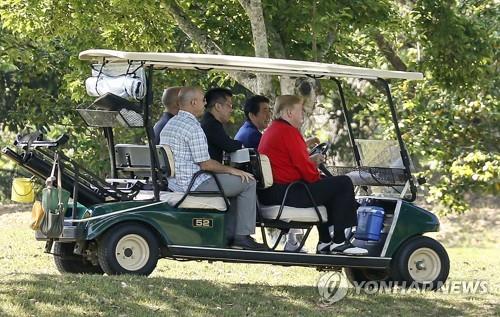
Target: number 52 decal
column 203, row 222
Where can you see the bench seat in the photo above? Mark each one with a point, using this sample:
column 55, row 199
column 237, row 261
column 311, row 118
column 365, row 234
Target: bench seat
column 191, row 201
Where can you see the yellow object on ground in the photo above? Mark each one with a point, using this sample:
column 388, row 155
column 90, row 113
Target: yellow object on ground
column 22, row 190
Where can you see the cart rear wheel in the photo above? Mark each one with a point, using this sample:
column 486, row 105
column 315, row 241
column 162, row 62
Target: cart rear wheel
column 68, row 262
column 128, row 249
column 422, row 262
column 364, row 277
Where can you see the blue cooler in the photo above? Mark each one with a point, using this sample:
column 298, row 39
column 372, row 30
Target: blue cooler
column 370, row 220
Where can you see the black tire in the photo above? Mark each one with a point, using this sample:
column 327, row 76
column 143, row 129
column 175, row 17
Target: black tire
column 68, row 262
column 365, row 277
column 421, row 262
column 128, row 249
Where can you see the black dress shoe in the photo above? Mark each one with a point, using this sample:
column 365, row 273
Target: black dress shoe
column 248, row 243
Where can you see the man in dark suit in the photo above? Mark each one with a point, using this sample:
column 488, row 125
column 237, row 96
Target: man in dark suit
column 219, row 106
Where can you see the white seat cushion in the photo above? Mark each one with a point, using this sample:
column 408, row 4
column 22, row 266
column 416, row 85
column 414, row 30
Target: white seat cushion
column 172, row 198
column 267, row 173
column 293, row 214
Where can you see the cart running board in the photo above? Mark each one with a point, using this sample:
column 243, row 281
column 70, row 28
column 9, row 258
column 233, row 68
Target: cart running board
column 275, row 257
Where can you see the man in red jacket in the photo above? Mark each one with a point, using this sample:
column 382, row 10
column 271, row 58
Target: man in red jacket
column 283, row 143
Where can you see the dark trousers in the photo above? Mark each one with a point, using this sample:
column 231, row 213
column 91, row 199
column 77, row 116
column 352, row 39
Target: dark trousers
column 335, row 193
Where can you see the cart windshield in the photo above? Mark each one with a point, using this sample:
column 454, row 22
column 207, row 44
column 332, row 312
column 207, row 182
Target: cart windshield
column 380, row 153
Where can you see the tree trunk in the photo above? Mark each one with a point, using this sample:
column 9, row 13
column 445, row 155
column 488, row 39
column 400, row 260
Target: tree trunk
column 253, row 9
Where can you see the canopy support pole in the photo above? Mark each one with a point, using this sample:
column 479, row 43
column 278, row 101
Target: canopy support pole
column 108, row 134
column 404, row 153
column 347, row 119
column 150, row 133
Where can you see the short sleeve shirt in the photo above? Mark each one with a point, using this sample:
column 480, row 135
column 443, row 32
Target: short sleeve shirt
column 188, row 142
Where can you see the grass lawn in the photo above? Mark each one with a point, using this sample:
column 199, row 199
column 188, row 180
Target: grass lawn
column 31, row 286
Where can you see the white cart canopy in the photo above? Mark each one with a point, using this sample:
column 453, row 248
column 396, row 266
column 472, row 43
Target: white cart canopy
column 269, row 66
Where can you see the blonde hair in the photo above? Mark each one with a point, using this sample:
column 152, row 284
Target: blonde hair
column 285, row 102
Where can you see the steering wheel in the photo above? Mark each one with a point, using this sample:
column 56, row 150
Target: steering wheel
column 322, row 149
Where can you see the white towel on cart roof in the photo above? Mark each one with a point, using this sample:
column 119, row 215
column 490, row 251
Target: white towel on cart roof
column 125, row 86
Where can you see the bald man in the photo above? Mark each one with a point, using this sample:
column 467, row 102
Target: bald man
column 170, row 100
column 184, row 135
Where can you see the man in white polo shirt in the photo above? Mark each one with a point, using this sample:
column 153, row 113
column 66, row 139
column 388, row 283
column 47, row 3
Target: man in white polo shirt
column 188, row 142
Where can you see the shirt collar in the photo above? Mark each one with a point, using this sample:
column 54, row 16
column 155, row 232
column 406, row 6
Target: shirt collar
column 284, row 121
column 187, row 114
column 211, row 117
column 250, row 124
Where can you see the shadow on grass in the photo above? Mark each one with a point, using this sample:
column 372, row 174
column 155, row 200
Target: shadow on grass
column 14, row 208
column 78, row 295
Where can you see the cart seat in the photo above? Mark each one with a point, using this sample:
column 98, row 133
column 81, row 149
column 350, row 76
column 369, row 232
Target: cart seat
column 136, row 159
column 191, row 201
column 263, row 174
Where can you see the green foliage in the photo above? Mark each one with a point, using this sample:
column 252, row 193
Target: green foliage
column 459, row 49
column 449, row 121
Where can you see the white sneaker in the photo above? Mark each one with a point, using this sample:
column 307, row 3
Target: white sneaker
column 292, row 247
column 347, row 248
column 323, row 248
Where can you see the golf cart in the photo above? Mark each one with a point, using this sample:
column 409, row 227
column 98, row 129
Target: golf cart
column 125, row 223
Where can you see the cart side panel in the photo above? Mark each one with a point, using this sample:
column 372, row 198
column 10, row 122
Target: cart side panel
column 189, row 227
column 411, row 221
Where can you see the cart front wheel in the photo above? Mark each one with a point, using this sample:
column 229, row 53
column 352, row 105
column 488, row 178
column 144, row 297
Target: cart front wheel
column 128, row 249
column 422, row 262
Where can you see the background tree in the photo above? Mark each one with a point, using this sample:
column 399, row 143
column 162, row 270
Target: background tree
column 450, row 120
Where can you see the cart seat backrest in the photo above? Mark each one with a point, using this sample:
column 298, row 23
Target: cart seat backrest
column 137, row 159
column 266, row 173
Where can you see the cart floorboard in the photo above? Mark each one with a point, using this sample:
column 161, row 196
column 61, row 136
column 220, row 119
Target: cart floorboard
column 275, row 257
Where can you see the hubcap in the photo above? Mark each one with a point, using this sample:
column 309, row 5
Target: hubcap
column 424, row 265
column 132, row 252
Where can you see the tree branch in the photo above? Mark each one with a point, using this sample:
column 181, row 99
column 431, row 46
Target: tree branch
column 204, row 41
column 329, row 42
column 277, row 48
column 287, row 85
column 389, row 53
column 196, row 35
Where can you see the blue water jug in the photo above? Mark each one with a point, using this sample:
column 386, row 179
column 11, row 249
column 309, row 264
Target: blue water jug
column 370, row 220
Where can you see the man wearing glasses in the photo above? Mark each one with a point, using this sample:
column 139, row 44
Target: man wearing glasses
column 219, row 105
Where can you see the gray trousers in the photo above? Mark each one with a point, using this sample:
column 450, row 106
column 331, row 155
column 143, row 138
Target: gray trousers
column 241, row 216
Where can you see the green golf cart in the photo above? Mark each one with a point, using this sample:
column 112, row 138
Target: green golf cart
column 125, row 223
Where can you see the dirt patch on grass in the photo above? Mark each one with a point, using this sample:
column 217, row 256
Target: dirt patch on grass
column 15, row 215
column 13, row 208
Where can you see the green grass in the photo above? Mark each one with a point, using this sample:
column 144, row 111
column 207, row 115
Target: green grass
column 31, row 286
